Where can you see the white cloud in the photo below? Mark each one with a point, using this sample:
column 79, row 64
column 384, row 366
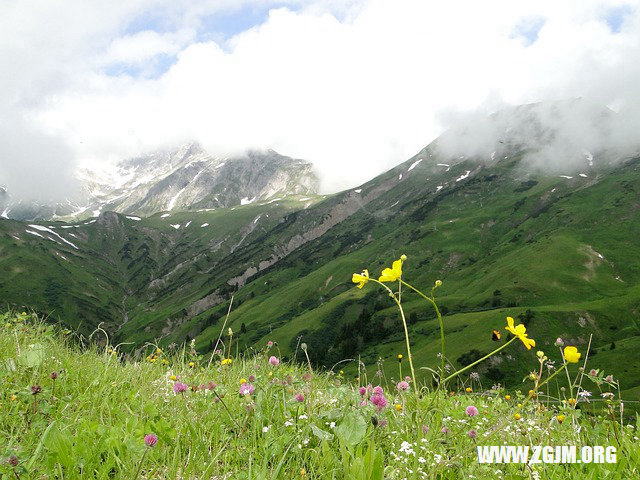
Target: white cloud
column 355, row 86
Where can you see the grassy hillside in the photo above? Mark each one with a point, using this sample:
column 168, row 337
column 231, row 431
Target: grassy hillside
column 73, row 411
column 559, row 252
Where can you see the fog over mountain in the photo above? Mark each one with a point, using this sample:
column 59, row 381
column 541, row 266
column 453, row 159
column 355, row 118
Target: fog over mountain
column 353, row 87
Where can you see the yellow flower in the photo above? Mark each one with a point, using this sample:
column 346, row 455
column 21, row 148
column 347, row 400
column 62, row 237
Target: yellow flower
column 152, row 359
column 165, row 361
column 159, row 351
column 398, row 407
column 173, row 377
column 269, row 374
column 243, row 380
column 532, row 394
column 507, row 397
column 226, row 361
column 12, row 397
column 571, row 401
column 392, row 274
column 399, row 357
column 361, row 278
column 303, row 472
column 561, row 418
column 468, row 390
column 517, row 416
column 191, row 364
column 571, row 354
column 520, row 331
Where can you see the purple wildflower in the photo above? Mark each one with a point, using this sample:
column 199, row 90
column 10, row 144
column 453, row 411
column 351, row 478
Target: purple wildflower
column 274, row 361
column 472, row 434
column 377, row 390
column 54, row 375
column 425, row 429
column 471, row 411
column 362, row 391
column 379, row 400
column 402, row 386
column 150, row 440
column 246, row 389
column 299, row 398
column 180, row 387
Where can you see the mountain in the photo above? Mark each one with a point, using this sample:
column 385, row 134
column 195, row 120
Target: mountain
column 557, row 250
column 186, row 178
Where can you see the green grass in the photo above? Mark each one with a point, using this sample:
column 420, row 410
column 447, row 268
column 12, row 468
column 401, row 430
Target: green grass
column 566, row 251
column 90, row 422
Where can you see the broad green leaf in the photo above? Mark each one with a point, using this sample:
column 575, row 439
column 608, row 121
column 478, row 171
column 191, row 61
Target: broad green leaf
column 351, row 430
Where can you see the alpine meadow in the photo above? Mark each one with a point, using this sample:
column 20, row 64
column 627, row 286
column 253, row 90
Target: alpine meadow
column 181, row 299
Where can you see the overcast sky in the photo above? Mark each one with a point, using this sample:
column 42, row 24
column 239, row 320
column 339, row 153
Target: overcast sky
column 354, row 86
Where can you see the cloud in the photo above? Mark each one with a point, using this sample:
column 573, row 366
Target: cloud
column 355, row 87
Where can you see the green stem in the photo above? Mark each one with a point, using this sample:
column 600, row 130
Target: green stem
column 141, row 462
column 453, row 375
column 435, row 306
column 406, row 333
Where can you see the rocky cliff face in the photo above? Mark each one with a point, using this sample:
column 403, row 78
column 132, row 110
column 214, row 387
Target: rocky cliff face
column 187, row 178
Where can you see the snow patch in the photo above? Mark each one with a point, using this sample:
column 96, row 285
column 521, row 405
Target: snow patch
column 48, row 230
column 137, row 219
column 172, row 202
column 443, row 165
column 218, row 166
column 34, row 233
column 257, row 218
column 566, row 176
column 165, row 215
column 358, row 190
column 462, row 177
column 5, row 214
column 414, row 164
column 204, row 225
column 583, row 175
column 187, row 224
column 438, row 188
column 400, row 177
column 176, row 226
column 246, row 201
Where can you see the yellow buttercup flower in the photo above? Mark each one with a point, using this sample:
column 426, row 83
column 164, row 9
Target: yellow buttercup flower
column 517, row 416
column 392, row 274
column 468, row 389
column 226, row 361
column 520, row 331
column 361, row 278
column 398, row 407
column 173, row 377
column 191, row 364
column 507, row 397
column 243, row 380
column 561, row 418
column 571, row 354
